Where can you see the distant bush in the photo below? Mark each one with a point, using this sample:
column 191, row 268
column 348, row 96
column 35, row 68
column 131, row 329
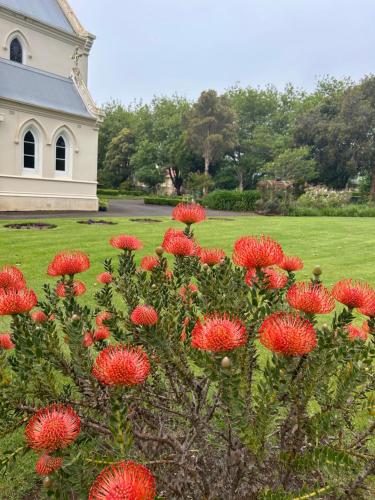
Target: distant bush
column 322, row 197
column 231, row 200
column 113, row 193
column 350, row 210
column 162, row 200
column 103, row 205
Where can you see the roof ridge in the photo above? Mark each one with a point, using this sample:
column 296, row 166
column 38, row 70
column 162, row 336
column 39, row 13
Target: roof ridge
column 35, row 70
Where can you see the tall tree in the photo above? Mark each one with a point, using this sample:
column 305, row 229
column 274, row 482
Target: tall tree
column 211, row 128
column 119, row 155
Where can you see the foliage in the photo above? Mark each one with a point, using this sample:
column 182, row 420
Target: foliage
column 119, row 155
column 198, row 183
column 232, row 423
column 162, row 200
column 322, row 197
column 232, row 200
column 349, row 210
column 114, row 193
column 292, row 165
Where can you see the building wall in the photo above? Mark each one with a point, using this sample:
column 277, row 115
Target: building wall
column 47, row 189
column 44, row 49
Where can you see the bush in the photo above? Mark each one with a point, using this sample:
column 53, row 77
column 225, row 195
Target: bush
column 351, row 210
column 322, row 197
column 113, row 193
column 103, row 205
column 236, row 201
column 207, row 376
column 162, row 200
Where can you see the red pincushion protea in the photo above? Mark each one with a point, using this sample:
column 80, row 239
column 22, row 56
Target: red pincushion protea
column 17, row 301
column 183, row 291
column 6, row 342
column 121, row 365
column 211, row 256
column 47, row 464
column 288, row 334
column 125, row 242
column 104, row 278
column 251, row 251
column 354, row 332
column 189, row 213
column 11, row 278
column 124, row 480
column 369, row 308
column 102, row 333
column 79, row 288
column 101, row 317
column 218, row 333
column 149, row 262
column 274, row 279
column 52, row 428
column 291, row 264
column 353, row 294
column 39, row 316
column 179, row 245
column 144, row 315
column 88, row 339
column 310, row 298
column 68, row 263
column 171, row 233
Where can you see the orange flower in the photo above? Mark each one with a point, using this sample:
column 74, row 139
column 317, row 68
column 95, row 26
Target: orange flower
column 149, row 262
column 125, row 242
column 285, row 333
column 17, row 301
column 144, row 315
column 6, row 342
column 218, row 333
column 121, row 365
column 353, row 294
column 39, row 317
column 291, row 264
column 79, row 288
column 52, row 428
column 369, row 308
column 102, row 333
column 124, row 480
column 88, row 339
column 354, row 332
column 104, row 278
column 179, row 245
column 68, row 263
column 310, row 298
column 253, row 252
column 211, row 256
column 47, row 464
column 189, row 213
column 102, row 317
column 11, row 278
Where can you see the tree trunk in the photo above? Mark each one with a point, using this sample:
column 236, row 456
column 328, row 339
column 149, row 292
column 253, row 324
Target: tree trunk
column 241, row 182
column 372, row 187
column 206, row 171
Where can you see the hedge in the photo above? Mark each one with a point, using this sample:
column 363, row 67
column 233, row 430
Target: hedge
column 162, row 200
column 118, row 192
column 232, row 200
column 350, row 210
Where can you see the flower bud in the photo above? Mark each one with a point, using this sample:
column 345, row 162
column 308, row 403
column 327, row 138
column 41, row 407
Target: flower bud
column 47, row 482
column 317, row 271
column 159, row 251
column 205, row 267
column 76, row 317
column 226, row 363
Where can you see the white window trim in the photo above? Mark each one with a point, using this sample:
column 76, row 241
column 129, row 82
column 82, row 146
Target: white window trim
column 34, row 172
column 67, row 173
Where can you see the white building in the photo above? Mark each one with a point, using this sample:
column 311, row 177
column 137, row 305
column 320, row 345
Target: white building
column 48, row 120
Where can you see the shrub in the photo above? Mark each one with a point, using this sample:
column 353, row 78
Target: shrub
column 322, row 197
column 350, row 210
column 236, row 201
column 162, row 200
column 113, row 193
column 200, row 381
column 103, row 205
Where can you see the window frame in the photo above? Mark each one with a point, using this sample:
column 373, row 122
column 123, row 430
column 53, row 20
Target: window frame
column 68, row 160
column 14, row 39
column 27, row 171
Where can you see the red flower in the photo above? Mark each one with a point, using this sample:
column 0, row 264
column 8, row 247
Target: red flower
column 171, row 233
column 104, row 278
column 183, row 291
column 39, row 317
column 211, row 256
column 251, row 277
column 6, row 342
column 101, row 317
column 218, row 333
column 356, row 333
column 291, row 264
column 88, row 339
column 17, row 301
column 189, row 213
column 52, row 428
column 46, row 465
column 179, row 245
column 369, row 308
column 274, row 279
column 285, row 333
column 124, row 480
column 310, row 298
column 169, row 274
column 144, row 315
column 121, row 365
column 250, row 251
column 365, row 327
column 11, row 278
column 79, row 288
column 68, row 263
column 149, row 262
column 124, row 242
column 102, row 334
column 353, row 294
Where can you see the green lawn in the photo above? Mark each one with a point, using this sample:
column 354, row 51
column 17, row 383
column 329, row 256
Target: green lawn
column 344, row 247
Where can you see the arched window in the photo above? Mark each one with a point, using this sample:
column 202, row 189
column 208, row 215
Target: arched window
column 16, row 51
column 29, row 151
column 61, row 154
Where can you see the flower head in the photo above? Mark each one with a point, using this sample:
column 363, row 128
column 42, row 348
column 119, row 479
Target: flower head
column 68, row 263
column 310, row 298
column 369, row 308
column 39, row 316
column 275, row 280
column 251, row 251
column 17, row 301
column 125, row 242
column 191, row 289
column 124, row 480
column 354, row 332
column 6, row 342
column 79, row 288
column 104, row 278
column 189, row 213
column 144, row 315
column 11, row 278
column 353, row 294
column 291, row 264
column 149, row 262
column 218, row 333
column 88, row 339
column 47, row 464
column 102, row 317
column 179, row 244
column 102, row 333
column 288, row 334
column 52, row 428
column 121, row 365
column 211, row 256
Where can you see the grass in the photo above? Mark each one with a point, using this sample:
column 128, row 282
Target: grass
column 344, row 247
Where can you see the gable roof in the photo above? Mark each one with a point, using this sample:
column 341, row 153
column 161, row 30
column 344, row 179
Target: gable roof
column 38, row 88
column 47, row 11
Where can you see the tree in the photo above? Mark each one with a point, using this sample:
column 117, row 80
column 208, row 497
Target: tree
column 119, row 155
column 295, row 165
column 210, row 128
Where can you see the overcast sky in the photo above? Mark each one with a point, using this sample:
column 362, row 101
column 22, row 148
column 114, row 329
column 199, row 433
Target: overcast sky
column 161, row 47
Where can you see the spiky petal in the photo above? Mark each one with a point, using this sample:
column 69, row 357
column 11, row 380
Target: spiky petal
column 104, row 278
column 288, row 334
column 310, row 298
column 179, row 244
column 253, row 252
column 39, row 317
column 144, row 315
column 102, row 317
column 211, row 256
column 125, row 242
column 11, row 278
column 69, row 263
column 149, row 262
column 218, row 333
column 124, row 481
column 355, row 332
column 291, row 264
column 189, row 213
column 102, row 333
column 47, row 464
column 353, row 294
column 6, row 342
column 17, row 301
